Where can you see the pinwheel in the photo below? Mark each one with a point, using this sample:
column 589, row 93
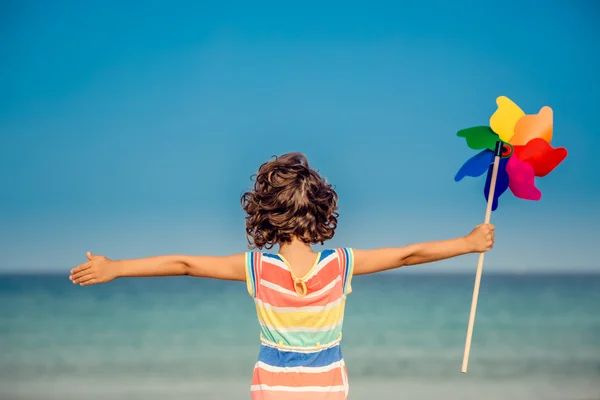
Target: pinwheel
column 515, row 149
column 525, row 151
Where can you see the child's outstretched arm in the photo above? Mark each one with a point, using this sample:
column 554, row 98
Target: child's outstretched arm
column 100, row 269
column 369, row 261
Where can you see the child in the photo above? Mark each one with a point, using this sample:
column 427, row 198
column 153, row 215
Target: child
column 299, row 294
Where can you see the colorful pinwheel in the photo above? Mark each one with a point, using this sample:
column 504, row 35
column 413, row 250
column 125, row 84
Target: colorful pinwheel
column 516, row 148
column 526, row 150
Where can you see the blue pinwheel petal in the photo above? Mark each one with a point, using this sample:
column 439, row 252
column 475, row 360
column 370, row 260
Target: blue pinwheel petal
column 476, row 165
column 501, row 182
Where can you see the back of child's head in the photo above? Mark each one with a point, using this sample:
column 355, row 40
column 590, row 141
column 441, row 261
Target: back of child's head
column 289, row 200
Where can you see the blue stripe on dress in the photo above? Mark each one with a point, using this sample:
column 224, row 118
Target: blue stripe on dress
column 280, row 358
column 250, row 266
column 349, row 267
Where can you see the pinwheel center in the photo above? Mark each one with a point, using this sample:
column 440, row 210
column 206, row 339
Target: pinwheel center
column 507, row 150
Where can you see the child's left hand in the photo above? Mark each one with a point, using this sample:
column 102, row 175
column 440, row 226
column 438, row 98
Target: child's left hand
column 98, row 269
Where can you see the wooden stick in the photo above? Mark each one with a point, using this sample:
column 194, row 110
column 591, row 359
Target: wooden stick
column 488, row 215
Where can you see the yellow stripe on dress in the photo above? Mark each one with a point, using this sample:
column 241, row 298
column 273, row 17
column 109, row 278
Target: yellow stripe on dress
column 300, row 319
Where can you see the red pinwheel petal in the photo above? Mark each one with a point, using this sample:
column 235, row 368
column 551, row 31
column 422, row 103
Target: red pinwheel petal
column 541, row 156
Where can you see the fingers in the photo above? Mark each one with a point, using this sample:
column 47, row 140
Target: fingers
column 81, row 268
column 84, row 274
column 90, row 280
column 81, row 271
column 484, row 236
column 75, row 276
column 81, row 276
column 91, row 256
column 491, row 233
column 486, row 226
column 490, row 238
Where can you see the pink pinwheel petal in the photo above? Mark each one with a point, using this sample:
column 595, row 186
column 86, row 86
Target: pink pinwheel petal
column 522, row 179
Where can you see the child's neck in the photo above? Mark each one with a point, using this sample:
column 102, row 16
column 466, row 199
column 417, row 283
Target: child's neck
column 296, row 247
column 300, row 256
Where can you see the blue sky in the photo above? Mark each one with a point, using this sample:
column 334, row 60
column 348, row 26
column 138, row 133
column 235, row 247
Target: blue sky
column 131, row 128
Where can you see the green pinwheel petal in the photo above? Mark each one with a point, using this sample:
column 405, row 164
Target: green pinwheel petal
column 479, row 137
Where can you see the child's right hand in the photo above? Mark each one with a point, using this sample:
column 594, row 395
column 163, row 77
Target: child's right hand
column 98, row 269
column 481, row 238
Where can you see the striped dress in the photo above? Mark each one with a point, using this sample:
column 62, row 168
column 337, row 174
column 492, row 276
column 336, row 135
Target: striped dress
column 300, row 326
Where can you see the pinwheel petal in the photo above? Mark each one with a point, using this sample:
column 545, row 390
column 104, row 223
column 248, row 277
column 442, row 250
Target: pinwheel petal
column 541, row 156
column 522, row 179
column 476, row 165
column 502, row 182
column 479, row 137
column 534, row 126
column 504, row 120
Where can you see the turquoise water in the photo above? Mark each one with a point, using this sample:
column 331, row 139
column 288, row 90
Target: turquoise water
column 536, row 337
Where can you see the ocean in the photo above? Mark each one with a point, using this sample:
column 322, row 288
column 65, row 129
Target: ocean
column 535, row 337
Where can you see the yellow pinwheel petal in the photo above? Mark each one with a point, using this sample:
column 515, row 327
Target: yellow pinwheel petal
column 504, row 120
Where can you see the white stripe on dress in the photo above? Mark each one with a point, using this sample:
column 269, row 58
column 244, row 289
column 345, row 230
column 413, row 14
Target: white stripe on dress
column 320, row 389
column 328, row 306
column 304, row 329
column 310, row 370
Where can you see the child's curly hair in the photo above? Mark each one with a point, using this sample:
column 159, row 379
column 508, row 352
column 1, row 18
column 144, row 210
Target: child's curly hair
column 289, row 200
